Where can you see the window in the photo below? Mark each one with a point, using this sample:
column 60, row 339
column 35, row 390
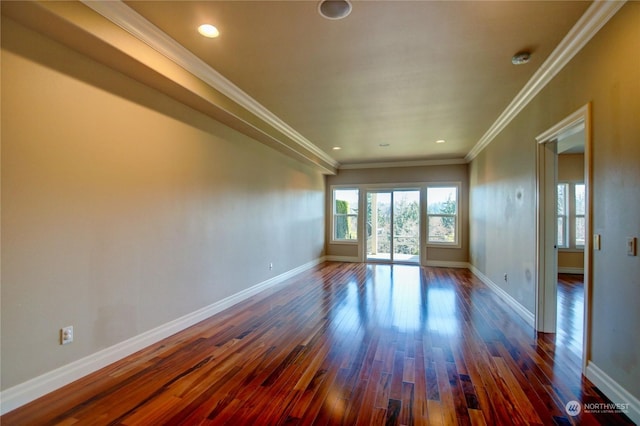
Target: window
column 345, row 214
column 562, row 215
column 570, row 215
column 442, row 215
column 579, row 233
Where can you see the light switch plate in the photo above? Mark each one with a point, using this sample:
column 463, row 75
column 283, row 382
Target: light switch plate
column 596, row 241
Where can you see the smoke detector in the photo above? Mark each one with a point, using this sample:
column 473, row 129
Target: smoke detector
column 521, row 58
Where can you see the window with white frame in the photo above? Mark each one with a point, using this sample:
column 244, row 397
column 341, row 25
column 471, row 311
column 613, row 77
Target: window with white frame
column 345, row 214
column 571, row 215
column 580, row 208
column 563, row 215
column 442, row 215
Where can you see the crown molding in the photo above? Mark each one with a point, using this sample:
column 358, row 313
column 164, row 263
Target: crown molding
column 417, row 163
column 596, row 16
column 129, row 20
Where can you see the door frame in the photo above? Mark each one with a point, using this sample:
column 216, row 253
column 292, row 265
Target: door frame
column 391, row 189
column 546, row 282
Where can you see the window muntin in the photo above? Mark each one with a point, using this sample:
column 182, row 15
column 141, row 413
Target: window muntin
column 571, row 209
column 345, row 214
column 442, row 215
column 563, row 215
column 580, row 223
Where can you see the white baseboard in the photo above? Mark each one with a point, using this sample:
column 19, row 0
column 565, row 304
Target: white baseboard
column 506, row 297
column 347, row 259
column 30, row 390
column 614, row 391
column 447, row 264
column 568, row 270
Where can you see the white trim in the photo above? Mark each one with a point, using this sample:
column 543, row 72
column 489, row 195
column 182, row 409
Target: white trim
column 526, row 315
column 546, row 257
column 333, row 214
column 587, row 26
column 569, row 270
column 30, row 390
column 346, row 259
column 447, row 264
column 135, row 24
column 417, row 163
column 575, row 119
column 613, row 390
column 457, row 244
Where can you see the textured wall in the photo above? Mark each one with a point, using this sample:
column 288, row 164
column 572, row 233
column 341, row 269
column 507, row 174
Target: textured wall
column 123, row 209
column 606, row 72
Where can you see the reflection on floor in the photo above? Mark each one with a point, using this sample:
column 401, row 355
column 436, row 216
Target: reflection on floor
column 570, row 327
column 397, row 257
column 343, row 344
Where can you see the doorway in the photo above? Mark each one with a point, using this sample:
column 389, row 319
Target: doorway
column 570, row 202
column 560, row 228
column 393, row 226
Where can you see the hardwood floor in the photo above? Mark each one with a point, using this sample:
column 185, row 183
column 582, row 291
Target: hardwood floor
column 570, row 328
column 352, row 344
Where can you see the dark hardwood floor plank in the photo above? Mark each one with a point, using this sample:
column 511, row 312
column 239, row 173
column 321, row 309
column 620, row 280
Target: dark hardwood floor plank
column 344, row 344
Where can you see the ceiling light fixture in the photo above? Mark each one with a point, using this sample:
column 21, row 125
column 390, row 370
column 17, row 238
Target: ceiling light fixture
column 521, row 58
column 440, row 141
column 384, row 145
column 334, row 9
column 336, row 148
column 208, row 30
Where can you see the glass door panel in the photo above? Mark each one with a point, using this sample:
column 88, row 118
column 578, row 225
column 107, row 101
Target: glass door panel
column 379, row 226
column 406, row 226
column 393, row 226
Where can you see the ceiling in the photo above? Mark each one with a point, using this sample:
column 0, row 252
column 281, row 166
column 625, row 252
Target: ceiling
column 384, row 83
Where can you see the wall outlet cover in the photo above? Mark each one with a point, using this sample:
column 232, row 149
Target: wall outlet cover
column 632, row 246
column 66, row 335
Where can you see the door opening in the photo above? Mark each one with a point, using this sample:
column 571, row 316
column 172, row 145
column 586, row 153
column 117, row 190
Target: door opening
column 564, row 223
column 571, row 234
column 393, row 226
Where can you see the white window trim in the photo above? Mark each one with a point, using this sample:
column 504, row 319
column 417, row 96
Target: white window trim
column 566, row 243
column 574, row 245
column 335, row 188
column 571, row 216
column 458, row 240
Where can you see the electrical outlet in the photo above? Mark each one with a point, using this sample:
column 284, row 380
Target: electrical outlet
column 506, row 278
column 632, row 246
column 66, row 335
column 270, row 266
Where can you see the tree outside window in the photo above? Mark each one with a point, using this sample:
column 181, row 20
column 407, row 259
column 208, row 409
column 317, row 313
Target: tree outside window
column 442, row 215
column 345, row 214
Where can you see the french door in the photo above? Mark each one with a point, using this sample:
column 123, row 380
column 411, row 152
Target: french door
column 393, row 225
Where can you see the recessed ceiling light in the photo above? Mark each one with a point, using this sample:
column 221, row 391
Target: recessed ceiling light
column 440, row 141
column 208, row 30
column 384, row 145
column 334, row 9
column 336, row 148
column 521, row 58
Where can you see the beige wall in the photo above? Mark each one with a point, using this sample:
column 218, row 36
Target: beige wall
column 502, row 180
column 123, row 209
column 403, row 175
column 570, row 169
